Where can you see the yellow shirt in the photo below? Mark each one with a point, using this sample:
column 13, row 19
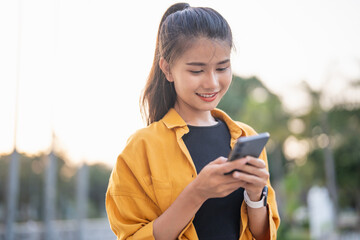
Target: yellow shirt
column 153, row 170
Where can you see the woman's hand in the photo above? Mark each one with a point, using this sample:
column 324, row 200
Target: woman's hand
column 212, row 183
column 254, row 175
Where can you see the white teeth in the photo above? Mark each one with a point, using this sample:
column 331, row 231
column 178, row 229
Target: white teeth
column 206, row 95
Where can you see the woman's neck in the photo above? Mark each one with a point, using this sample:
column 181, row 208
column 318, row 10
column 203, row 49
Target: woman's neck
column 195, row 118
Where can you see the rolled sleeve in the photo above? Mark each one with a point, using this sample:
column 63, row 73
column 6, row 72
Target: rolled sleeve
column 130, row 211
column 127, row 223
column 274, row 220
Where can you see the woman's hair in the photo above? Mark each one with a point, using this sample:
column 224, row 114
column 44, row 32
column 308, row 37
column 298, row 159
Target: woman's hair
column 179, row 27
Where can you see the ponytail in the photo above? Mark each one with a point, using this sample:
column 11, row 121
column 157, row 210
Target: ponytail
column 159, row 94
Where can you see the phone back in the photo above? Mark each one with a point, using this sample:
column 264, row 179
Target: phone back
column 249, row 146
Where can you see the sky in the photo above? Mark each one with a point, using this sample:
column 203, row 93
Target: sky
column 80, row 65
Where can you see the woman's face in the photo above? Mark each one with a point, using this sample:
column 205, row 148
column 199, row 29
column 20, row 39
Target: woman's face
column 201, row 76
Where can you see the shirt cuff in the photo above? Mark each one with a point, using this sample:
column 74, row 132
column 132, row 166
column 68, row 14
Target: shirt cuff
column 145, row 233
column 245, row 232
column 272, row 225
column 189, row 226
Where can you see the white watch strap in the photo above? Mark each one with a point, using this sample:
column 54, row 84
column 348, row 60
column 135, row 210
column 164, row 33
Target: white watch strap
column 252, row 204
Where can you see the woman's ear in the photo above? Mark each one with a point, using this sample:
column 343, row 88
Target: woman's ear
column 165, row 67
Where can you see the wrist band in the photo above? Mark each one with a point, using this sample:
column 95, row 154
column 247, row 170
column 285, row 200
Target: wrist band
column 259, row 204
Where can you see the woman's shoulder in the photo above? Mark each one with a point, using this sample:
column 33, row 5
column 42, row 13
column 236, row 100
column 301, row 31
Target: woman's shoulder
column 247, row 128
column 151, row 134
column 233, row 124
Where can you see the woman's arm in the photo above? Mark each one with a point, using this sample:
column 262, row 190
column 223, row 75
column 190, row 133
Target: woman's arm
column 255, row 176
column 170, row 224
column 210, row 183
column 258, row 221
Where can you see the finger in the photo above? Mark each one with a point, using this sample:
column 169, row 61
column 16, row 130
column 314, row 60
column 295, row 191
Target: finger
column 259, row 172
column 230, row 179
column 231, row 187
column 236, row 164
column 256, row 162
column 219, row 160
column 251, row 179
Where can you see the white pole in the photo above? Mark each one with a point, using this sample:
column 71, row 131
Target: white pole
column 13, row 175
column 51, row 167
column 50, row 196
column 12, row 195
column 81, row 199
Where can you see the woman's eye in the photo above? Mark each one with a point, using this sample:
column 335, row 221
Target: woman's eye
column 221, row 69
column 196, row 72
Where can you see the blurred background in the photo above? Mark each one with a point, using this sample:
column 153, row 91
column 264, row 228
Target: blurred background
column 71, row 73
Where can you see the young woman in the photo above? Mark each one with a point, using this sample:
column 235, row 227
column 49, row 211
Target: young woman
column 169, row 182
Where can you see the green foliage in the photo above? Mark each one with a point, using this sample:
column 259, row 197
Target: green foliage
column 347, row 155
column 287, row 231
column 4, row 160
column 98, row 180
column 249, row 101
column 31, row 188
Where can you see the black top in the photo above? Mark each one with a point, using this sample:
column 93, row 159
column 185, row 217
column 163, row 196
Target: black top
column 217, row 218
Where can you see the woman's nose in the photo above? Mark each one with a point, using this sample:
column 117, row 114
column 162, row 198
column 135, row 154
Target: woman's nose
column 211, row 81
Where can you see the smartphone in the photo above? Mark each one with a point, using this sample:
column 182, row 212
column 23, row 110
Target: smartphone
column 248, row 146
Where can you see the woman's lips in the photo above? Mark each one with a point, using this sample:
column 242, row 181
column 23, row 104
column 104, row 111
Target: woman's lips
column 207, row 97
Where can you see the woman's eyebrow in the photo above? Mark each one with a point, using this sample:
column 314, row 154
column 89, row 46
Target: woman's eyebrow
column 225, row 61
column 203, row 64
column 196, row 64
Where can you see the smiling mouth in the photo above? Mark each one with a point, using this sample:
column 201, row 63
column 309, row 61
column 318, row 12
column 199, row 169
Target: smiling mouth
column 208, row 97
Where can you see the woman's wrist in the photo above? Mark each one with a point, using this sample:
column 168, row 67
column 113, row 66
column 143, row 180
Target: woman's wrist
column 170, row 224
column 254, row 196
column 195, row 194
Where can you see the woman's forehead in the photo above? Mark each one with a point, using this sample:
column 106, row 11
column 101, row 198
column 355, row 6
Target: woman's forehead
column 206, row 50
